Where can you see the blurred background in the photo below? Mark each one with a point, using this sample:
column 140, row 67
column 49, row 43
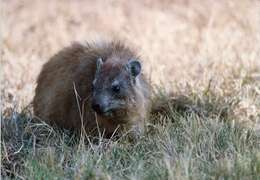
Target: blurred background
column 184, row 44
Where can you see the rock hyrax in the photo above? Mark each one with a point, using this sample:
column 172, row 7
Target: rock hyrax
column 96, row 86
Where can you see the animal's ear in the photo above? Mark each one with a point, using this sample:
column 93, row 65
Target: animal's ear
column 99, row 64
column 134, row 67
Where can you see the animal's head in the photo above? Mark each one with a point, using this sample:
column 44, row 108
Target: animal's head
column 114, row 87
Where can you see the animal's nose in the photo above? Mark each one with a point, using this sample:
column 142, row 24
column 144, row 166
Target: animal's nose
column 99, row 108
column 100, row 104
column 96, row 107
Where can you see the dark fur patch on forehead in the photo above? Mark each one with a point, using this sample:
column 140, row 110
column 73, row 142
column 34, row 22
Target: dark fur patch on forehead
column 111, row 70
column 111, row 67
column 115, row 56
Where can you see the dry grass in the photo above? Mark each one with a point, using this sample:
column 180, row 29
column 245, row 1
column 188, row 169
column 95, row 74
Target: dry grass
column 205, row 54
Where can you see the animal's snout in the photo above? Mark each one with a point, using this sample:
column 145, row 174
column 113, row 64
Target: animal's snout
column 100, row 106
column 97, row 107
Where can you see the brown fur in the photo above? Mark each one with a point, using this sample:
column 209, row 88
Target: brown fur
column 72, row 71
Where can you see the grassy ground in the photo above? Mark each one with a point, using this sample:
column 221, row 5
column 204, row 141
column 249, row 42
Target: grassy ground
column 203, row 58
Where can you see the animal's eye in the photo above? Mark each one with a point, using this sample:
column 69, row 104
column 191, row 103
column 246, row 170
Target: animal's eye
column 116, row 88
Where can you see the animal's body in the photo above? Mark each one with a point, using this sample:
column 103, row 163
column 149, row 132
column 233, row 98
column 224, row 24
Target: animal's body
column 85, row 85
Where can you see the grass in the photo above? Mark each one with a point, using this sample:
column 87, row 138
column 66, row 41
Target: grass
column 190, row 137
column 202, row 58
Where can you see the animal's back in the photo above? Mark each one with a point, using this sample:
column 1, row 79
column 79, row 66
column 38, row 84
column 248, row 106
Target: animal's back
column 55, row 99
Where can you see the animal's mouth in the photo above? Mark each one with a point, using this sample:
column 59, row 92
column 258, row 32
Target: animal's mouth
column 114, row 116
column 108, row 114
